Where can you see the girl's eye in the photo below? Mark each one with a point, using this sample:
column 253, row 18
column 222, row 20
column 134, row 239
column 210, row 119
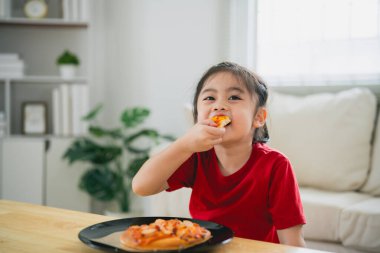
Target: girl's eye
column 209, row 98
column 234, row 98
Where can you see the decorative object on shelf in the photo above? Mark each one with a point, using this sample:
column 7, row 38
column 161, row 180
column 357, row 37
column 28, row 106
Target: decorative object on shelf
column 2, row 124
column 109, row 175
column 35, row 9
column 68, row 64
column 34, row 118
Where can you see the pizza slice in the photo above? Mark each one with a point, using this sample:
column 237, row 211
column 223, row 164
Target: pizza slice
column 162, row 234
column 221, row 120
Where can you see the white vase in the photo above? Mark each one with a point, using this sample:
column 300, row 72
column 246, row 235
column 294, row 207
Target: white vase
column 68, row 71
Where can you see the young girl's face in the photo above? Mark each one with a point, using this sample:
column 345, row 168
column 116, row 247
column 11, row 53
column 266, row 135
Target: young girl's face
column 223, row 94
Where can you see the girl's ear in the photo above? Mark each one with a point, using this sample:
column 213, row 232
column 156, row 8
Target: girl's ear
column 260, row 117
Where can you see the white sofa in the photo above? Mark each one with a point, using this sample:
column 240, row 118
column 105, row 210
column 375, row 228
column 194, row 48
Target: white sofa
column 332, row 139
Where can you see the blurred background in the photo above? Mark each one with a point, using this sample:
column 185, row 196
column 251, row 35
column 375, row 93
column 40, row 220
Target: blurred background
column 60, row 59
column 151, row 53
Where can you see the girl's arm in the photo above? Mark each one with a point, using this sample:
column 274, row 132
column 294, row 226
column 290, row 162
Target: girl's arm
column 292, row 236
column 153, row 175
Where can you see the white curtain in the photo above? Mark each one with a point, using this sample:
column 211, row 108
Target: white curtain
column 306, row 42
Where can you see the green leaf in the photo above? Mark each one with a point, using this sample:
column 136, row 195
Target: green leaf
column 101, row 183
column 149, row 133
column 134, row 116
column 135, row 150
column 68, row 57
column 108, row 178
column 101, row 132
column 168, row 137
column 135, row 165
column 93, row 113
column 86, row 150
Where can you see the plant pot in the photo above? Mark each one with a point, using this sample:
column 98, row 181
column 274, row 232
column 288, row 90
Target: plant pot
column 68, row 71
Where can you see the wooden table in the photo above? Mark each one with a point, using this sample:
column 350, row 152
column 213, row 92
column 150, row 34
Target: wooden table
column 32, row 228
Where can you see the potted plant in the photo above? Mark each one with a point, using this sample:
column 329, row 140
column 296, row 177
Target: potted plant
column 114, row 155
column 68, row 64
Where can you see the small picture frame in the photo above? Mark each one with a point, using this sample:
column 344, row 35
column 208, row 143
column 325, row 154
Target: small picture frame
column 34, row 118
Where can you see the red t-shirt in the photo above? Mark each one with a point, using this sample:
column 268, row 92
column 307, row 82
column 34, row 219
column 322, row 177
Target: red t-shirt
column 254, row 202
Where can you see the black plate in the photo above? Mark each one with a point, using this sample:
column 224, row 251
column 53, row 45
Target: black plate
column 220, row 233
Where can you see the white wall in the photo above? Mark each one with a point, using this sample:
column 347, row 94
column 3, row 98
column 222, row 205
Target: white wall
column 156, row 51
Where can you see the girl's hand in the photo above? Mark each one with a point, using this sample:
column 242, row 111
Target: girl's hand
column 203, row 136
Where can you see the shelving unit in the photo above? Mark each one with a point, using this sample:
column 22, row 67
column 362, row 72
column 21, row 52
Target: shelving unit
column 31, row 167
column 59, row 12
column 38, row 42
column 49, row 81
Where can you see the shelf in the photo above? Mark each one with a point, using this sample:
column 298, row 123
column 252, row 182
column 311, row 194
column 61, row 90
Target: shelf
column 40, row 137
column 43, row 79
column 43, row 22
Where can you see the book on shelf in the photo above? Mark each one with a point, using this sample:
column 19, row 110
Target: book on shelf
column 75, row 10
column 11, row 65
column 66, row 10
column 79, row 108
column 70, row 104
column 84, row 10
column 9, row 57
column 3, row 124
column 5, row 8
column 56, row 110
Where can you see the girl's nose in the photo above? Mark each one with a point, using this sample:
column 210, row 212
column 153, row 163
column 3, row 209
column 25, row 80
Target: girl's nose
column 219, row 107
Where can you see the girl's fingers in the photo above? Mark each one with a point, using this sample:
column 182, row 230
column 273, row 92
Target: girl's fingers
column 215, row 131
column 216, row 141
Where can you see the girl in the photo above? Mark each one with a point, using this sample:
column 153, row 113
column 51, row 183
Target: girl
column 236, row 179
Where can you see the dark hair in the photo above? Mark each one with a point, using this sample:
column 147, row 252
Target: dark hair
column 254, row 83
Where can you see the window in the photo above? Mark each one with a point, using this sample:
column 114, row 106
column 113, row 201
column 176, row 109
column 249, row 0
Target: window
column 318, row 41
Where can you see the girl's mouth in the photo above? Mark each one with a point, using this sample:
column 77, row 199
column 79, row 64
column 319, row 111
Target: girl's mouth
column 221, row 120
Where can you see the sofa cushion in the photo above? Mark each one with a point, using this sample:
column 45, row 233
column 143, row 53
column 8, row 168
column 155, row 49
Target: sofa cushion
column 372, row 186
column 326, row 136
column 360, row 225
column 336, row 247
column 323, row 211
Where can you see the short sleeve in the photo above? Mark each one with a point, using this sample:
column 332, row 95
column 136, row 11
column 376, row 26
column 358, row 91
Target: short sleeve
column 285, row 203
column 184, row 176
